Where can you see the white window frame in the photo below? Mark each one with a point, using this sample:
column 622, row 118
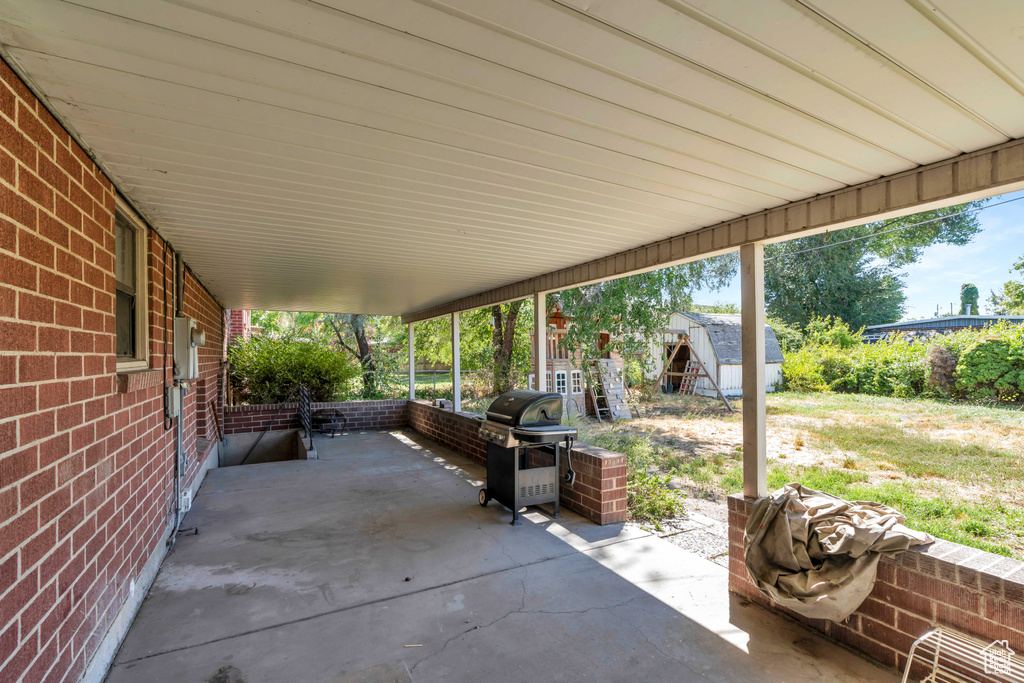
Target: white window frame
column 577, row 382
column 529, row 383
column 547, row 380
column 564, row 377
column 141, row 359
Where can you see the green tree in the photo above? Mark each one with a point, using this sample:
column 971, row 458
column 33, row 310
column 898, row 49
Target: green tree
column 713, row 308
column 839, row 282
column 284, row 322
column 375, row 342
column 354, row 333
column 969, row 297
column 495, row 339
column 853, row 275
column 1010, row 299
column 631, row 310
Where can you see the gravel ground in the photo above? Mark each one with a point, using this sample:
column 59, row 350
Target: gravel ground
column 703, row 530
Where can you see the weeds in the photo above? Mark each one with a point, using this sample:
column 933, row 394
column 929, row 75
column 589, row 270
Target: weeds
column 650, row 500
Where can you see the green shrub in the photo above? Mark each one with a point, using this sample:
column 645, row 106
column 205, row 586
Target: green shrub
column 991, row 368
column 989, row 364
column 831, row 331
column 790, row 337
column 836, row 368
column 266, row 369
column 802, row 371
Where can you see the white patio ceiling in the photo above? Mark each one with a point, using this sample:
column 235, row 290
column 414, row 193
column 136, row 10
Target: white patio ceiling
column 386, row 156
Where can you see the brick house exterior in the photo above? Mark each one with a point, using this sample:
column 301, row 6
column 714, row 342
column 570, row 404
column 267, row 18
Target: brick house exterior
column 239, row 324
column 86, row 466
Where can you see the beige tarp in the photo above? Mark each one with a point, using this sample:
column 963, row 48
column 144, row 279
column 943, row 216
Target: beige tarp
column 817, row 554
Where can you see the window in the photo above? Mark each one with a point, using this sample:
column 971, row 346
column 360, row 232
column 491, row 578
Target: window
column 547, row 381
column 530, row 385
column 560, row 385
column 130, row 284
column 577, row 382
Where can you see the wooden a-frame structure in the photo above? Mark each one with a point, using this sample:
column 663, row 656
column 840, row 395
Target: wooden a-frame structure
column 694, row 370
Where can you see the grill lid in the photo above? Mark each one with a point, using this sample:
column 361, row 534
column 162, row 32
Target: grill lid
column 521, row 408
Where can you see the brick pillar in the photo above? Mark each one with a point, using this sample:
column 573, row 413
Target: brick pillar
column 239, row 324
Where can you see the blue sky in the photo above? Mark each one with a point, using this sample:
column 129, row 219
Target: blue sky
column 935, row 280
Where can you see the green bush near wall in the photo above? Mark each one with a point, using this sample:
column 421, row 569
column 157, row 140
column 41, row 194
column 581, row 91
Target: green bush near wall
column 989, row 364
column 992, row 368
column 266, row 369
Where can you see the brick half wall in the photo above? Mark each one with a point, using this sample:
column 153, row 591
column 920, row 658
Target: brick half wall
column 943, row 584
column 599, row 493
column 361, row 415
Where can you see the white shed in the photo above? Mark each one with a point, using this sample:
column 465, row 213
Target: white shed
column 717, row 340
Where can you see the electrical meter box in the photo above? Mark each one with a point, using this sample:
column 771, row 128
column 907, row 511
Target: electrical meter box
column 187, row 340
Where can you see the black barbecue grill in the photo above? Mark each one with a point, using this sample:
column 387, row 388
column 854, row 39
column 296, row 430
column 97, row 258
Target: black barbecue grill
column 517, row 421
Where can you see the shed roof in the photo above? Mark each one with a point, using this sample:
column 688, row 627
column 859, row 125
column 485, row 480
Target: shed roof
column 725, row 331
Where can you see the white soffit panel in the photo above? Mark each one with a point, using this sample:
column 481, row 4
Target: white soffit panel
column 388, row 156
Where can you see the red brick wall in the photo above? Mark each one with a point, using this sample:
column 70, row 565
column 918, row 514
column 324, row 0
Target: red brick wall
column 361, row 415
column 457, row 431
column 943, row 584
column 199, row 414
column 599, row 493
column 238, row 324
column 85, row 471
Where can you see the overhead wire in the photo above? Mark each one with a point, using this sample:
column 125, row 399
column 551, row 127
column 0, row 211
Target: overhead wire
column 902, row 227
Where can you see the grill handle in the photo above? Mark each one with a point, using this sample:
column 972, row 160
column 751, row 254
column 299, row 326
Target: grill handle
column 570, row 473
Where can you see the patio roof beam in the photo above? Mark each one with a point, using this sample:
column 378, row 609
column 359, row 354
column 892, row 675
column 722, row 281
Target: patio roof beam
column 984, row 173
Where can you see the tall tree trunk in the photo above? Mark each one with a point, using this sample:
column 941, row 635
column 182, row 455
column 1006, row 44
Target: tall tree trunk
column 503, row 337
column 357, row 324
column 366, row 359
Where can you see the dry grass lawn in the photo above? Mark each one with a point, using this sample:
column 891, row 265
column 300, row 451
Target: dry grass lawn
column 955, row 470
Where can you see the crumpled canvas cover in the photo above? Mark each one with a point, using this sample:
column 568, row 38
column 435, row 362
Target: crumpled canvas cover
column 817, row 554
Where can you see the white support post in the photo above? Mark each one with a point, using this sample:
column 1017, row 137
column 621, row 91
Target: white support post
column 456, row 366
column 755, row 456
column 540, row 339
column 412, row 362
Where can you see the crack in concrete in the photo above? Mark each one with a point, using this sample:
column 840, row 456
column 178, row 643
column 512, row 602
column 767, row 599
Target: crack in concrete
column 365, row 604
column 501, row 545
column 523, row 610
column 653, row 644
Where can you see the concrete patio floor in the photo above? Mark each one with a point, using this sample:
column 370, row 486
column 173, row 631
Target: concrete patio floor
column 318, row 570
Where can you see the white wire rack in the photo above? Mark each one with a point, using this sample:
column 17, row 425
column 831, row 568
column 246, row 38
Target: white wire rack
column 944, row 656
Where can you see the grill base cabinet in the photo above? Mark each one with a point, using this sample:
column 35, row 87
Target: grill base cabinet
column 515, row 485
